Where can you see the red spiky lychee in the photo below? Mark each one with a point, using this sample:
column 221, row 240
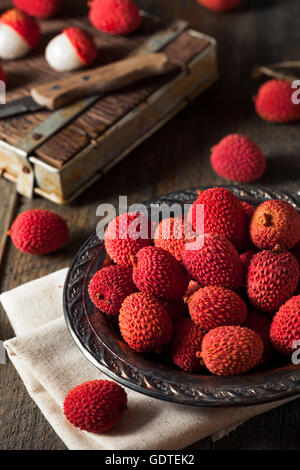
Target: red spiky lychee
column 260, row 323
column 213, row 260
column 274, row 223
column 238, row 158
column 219, row 211
column 272, row 279
column 126, row 235
column 19, row 33
column 231, row 350
column 115, row 16
column 185, row 344
column 170, row 235
column 220, row 5
column 285, row 328
column 274, row 102
column 71, row 50
column 157, row 272
column 95, row 406
column 39, row 8
column 144, row 323
column 110, row 286
column 213, row 306
column 39, row 232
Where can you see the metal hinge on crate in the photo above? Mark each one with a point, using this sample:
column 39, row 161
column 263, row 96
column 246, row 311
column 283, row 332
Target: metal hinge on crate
column 15, row 159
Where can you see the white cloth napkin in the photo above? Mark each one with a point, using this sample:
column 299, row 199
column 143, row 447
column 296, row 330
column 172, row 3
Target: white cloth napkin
column 50, row 364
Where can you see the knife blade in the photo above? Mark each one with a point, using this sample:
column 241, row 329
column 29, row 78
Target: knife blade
column 20, row 106
column 88, row 83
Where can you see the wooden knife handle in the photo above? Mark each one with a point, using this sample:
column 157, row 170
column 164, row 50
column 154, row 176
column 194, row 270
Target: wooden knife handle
column 103, row 79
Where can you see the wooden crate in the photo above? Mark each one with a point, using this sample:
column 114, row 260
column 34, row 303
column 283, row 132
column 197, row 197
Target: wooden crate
column 60, row 166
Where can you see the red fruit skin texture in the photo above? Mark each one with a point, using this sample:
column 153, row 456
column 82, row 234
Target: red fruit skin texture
column 83, row 43
column 39, row 232
column 158, row 273
column 23, row 24
column 3, row 77
column 238, row 158
column 144, row 322
column 39, row 8
column 231, row 350
column 169, row 235
column 285, row 328
column 211, row 307
column 95, row 406
column 274, row 223
column 220, row 5
column 110, row 286
column 115, row 16
column 120, row 241
column 260, row 323
column 272, row 279
column 185, row 344
column 223, row 215
column 214, row 263
column 274, row 103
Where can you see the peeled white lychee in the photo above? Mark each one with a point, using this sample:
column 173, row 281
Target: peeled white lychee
column 71, row 50
column 19, row 33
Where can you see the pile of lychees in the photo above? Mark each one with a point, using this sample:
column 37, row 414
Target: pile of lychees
column 223, row 299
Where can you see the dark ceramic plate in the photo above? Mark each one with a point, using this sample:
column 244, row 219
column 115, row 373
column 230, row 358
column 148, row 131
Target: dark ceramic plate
column 101, row 344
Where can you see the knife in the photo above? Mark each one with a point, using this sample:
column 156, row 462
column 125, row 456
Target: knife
column 87, row 83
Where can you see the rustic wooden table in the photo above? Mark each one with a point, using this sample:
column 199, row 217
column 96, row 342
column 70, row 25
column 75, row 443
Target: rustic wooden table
column 261, row 32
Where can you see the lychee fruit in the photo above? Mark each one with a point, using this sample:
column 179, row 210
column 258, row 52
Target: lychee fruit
column 274, row 223
column 170, row 235
column 19, row 33
column 39, row 232
column 185, row 344
column 220, row 5
column 231, row 350
column 219, row 211
column 213, row 306
column 95, row 406
column 71, row 50
column 126, row 235
column 274, row 103
column 110, row 286
column 144, row 323
column 39, row 8
column 213, row 260
column 238, row 158
column 157, row 272
column 285, row 328
column 272, row 279
column 260, row 323
column 115, row 16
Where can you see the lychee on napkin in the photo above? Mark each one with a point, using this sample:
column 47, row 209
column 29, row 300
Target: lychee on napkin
column 50, row 364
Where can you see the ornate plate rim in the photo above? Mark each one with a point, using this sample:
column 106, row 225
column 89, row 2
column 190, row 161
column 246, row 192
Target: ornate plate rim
column 278, row 386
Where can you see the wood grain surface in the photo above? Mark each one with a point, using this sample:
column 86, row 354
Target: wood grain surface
column 261, row 32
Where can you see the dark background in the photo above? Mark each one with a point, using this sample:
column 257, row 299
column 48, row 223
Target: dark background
column 176, row 157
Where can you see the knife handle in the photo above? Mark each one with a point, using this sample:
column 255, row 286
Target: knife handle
column 100, row 80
